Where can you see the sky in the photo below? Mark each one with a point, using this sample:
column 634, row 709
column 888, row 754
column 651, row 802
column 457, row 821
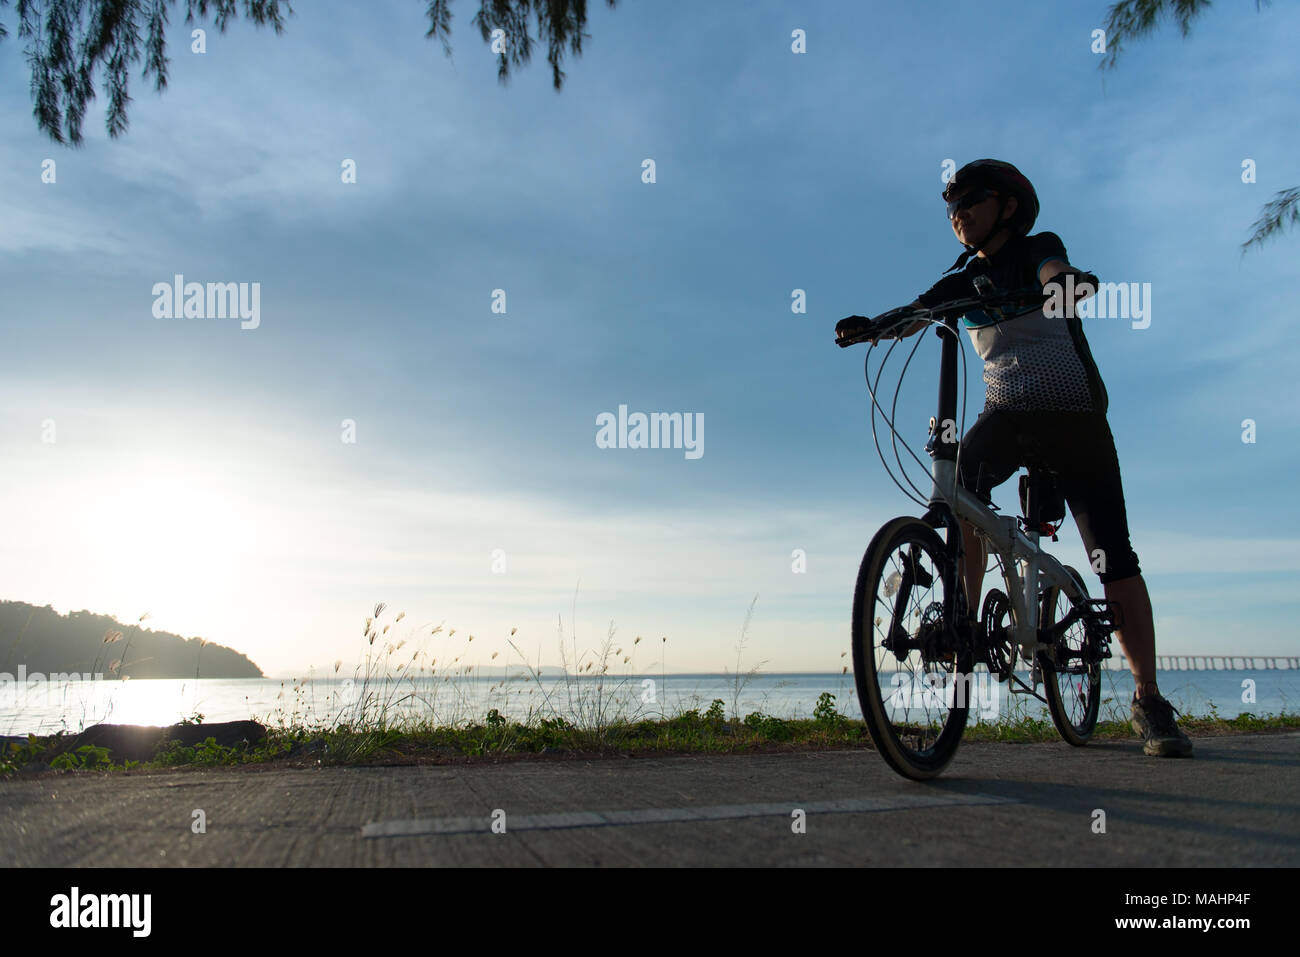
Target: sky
column 384, row 435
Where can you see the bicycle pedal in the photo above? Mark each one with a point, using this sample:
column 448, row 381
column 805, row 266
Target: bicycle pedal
column 1101, row 613
column 1101, row 643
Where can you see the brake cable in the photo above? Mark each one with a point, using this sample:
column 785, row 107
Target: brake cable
column 889, row 419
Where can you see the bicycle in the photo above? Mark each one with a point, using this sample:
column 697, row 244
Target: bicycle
column 1044, row 618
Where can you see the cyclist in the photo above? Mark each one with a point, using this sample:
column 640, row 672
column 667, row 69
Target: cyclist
column 1044, row 394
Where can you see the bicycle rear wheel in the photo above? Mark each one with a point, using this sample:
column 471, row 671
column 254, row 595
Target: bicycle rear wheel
column 902, row 635
column 1071, row 668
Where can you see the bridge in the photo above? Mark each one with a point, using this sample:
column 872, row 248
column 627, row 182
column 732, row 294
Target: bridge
column 1215, row 662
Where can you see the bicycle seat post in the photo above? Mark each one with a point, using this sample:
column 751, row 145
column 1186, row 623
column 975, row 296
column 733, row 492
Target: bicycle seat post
column 1033, row 502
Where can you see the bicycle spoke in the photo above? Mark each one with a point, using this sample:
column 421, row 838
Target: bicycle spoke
column 1072, row 679
column 902, row 657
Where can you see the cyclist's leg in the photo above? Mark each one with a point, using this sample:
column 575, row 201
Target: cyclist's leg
column 974, row 561
column 989, row 455
column 1138, row 635
column 1103, row 524
column 1093, row 488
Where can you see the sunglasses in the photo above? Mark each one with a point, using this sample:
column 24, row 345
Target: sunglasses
column 972, row 198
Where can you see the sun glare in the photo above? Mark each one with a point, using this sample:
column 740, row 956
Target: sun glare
column 170, row 535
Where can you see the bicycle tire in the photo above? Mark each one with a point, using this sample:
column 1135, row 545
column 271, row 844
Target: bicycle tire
column 1071, row 671
column 922, row 749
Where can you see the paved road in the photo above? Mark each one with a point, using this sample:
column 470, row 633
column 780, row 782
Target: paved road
column 1235, row 804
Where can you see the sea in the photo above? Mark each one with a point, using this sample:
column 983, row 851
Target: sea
column 46, row 707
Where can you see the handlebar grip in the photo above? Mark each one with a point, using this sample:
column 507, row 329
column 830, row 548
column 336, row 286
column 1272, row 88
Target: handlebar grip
column 856, row 329
column 875, row 328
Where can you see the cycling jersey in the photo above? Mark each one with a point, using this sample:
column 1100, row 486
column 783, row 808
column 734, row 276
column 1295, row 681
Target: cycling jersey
column 1031, row 362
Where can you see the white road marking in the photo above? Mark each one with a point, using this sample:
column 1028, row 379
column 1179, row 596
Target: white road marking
column 719, row 812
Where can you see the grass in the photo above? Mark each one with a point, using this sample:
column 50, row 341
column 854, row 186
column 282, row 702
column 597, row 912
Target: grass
column 418, row 709
column 688, row 732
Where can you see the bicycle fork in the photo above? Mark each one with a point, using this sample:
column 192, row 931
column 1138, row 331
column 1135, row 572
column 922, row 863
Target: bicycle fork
column 912, row 574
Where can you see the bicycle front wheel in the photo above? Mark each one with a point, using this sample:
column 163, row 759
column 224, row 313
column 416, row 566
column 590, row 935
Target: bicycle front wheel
column 913, row 672
column 1071, row 668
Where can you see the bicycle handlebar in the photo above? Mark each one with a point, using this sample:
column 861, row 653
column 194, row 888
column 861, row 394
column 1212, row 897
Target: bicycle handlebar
column 903, row 315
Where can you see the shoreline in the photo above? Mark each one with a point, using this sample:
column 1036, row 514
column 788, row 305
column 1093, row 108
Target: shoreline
column 497, row 740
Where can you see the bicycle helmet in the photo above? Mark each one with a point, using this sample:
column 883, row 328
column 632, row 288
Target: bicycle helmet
column 1007, row 181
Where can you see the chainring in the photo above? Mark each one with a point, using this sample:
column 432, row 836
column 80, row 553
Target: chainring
column 995, row 632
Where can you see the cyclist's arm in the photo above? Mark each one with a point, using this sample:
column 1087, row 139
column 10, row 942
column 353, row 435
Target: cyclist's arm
column 1085, row 283
column 1049, row 252
column 915, row 327
column 945, row 290
column 1054, row 263
column 1050, row 269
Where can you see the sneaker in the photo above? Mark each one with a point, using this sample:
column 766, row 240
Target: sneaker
column 1153, row 719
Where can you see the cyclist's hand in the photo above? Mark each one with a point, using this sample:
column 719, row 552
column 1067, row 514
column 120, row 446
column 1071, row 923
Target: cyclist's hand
column 857, row 329
column 1087, row 280
column 852, row 327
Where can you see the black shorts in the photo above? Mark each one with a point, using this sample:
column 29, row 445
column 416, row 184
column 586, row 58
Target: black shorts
column 1079, row 447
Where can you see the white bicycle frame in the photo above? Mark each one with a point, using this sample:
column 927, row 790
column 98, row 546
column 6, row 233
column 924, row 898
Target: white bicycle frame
column 1016, row 548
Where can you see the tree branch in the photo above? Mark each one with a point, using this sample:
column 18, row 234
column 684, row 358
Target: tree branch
column 1133, row 19
column 1282, row 211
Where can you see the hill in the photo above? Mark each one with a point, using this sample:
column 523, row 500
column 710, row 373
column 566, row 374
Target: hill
column 47, row 642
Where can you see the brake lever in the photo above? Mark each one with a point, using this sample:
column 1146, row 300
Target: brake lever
column 845, row 341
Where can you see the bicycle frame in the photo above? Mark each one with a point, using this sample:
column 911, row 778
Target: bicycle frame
column 1018, row 550
column 949, row 501
column 950, row 643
